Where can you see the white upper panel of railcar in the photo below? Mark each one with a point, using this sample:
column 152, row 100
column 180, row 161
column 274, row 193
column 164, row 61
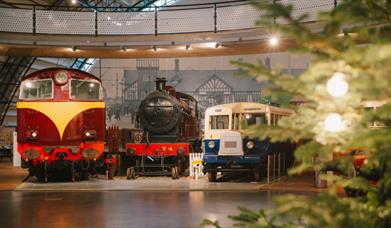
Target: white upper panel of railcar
column 245, row 107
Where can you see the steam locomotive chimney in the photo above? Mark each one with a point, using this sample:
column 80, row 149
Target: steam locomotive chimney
column 161, row 84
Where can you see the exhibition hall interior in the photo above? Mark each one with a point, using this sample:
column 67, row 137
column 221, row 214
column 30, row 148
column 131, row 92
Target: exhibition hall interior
column 195, row 113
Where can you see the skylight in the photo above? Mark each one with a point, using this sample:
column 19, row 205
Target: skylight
column 159, row 3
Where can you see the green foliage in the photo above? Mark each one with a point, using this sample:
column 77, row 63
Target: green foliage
column 355, row 40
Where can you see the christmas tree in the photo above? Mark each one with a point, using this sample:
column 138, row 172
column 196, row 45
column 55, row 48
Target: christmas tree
column 347, row 91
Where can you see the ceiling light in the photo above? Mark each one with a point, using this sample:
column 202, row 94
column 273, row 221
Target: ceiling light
column 154, row 47
column 74, row 48
column 273, row 41
column 124, row 48
column 217, row 45
column 188, row 47
column 74, row 2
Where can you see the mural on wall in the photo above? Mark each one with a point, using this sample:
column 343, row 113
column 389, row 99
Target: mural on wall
column 208, row 87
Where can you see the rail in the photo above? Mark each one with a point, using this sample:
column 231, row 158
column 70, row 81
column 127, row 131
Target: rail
column 174, row 19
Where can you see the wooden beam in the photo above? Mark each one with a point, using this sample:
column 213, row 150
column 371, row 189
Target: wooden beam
column 196, row 50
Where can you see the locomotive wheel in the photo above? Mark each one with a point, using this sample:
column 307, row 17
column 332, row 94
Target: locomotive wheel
column 41, row 173
column 130, row 173
column 72, row 172
column 174, row 172
column 180, row 167
column 45, row 171
column 212, row 176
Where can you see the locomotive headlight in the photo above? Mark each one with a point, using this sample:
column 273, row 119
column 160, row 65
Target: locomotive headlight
column 61, row 78
column 31, row 135
column 211, row 144
column 90, row 134
column 250, row 145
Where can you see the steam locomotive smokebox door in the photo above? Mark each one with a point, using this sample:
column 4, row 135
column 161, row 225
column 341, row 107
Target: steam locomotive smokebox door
column 159, row 112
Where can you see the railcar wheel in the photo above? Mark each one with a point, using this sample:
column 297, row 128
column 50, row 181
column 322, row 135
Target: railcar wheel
column 257, row 175
column 212, row 176
column 130, row 173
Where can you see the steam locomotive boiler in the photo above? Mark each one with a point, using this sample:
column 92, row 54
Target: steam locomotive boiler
column 170, row 124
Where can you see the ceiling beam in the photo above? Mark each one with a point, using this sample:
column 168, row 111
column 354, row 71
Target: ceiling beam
column 9, row 4
column 196, row 50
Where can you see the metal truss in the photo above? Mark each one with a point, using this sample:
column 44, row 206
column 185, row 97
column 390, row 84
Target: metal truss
column 11, row 72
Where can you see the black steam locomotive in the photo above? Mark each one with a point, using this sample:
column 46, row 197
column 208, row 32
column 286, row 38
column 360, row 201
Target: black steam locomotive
column 170, row 124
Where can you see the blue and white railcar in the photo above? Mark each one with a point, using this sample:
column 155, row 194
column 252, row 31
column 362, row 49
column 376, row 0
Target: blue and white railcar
column 226, row 149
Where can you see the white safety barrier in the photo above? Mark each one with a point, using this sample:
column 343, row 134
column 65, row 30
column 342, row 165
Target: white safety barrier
column 119, row 23
column 65, row 22
column 195, row 160
column 16, row 20
column 276, row 167
column 237, row 17
column 165, row 20
column 182, row 21
column 17, row 160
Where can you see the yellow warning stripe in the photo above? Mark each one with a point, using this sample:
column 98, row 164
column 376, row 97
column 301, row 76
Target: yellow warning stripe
column 61, row 113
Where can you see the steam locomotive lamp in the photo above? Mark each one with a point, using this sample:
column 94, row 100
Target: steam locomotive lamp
column 170, row 124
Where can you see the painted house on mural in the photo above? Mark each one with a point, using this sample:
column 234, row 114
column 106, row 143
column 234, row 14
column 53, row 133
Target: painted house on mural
column 209, row 87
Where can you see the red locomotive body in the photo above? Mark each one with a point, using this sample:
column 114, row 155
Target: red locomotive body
column 60, row 122
column 170, row 124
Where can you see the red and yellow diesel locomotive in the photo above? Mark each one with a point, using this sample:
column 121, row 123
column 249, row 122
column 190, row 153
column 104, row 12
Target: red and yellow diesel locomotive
column 60, row 122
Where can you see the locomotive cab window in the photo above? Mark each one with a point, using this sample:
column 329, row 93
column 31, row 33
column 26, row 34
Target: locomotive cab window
column 36, row 89
column 85, row 89
column 219, row 122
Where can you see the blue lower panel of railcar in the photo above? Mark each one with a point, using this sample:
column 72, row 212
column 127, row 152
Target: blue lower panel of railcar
column 232, row 163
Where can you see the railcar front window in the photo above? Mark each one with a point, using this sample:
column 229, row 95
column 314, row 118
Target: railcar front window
column 219, row 122
column 85, row 89
column 255, row 119
column 36, row 89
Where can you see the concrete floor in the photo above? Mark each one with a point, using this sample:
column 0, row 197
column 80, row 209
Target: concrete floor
column 124, row 208
column 140, row 184
column 10, row 177
column 145, row 202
